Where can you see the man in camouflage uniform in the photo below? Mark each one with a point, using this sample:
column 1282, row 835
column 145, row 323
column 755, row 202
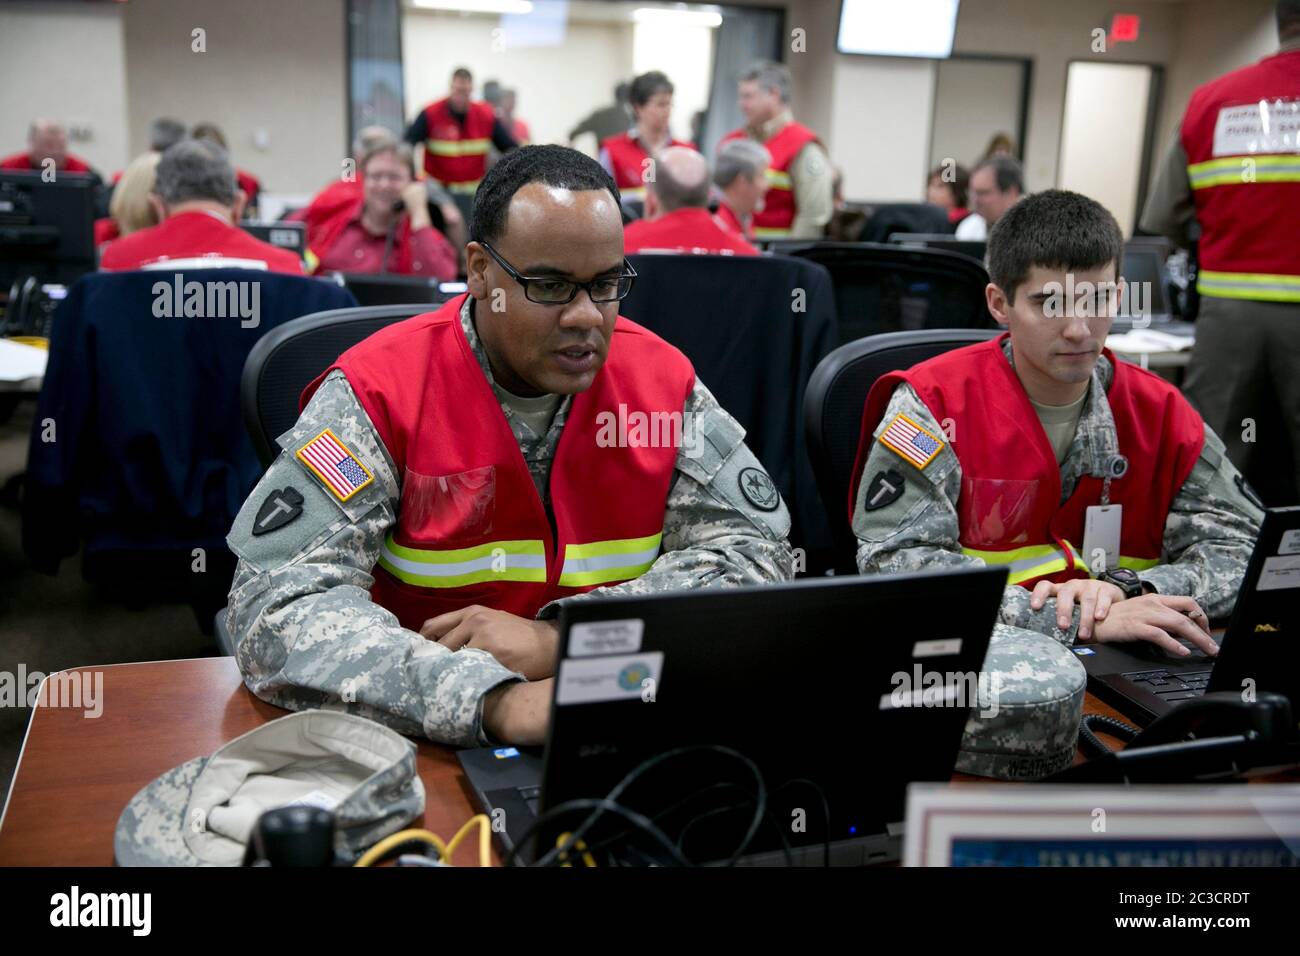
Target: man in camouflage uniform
column 906, row 517
column 306, row 630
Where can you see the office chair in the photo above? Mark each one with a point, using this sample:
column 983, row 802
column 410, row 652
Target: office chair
column 833, row 406
column 282, row 364
column 890, row 288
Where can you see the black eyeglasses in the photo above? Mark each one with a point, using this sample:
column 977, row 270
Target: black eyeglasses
column 550, row 290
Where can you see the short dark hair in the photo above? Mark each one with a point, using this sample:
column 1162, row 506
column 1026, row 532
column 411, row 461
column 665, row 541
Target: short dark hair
column 165, row 132
column 1006, row 173
column 1054, row 229
column 959, row 185
column 1288, row 18
column 556, row 166
column 647, row 85
column 460, row 73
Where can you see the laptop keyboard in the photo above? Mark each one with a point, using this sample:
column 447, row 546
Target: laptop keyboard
column 1171, row 687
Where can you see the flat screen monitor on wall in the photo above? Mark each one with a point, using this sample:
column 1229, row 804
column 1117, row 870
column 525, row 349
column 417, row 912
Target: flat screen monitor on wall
column 918, row 28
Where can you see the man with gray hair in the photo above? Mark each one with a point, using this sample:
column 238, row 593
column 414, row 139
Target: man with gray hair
column 677, row 211
column 198, row 206
column 741, row 176
column 799, row 200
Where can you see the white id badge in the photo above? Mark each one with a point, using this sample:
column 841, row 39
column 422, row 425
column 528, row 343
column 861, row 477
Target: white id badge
column 1101, row 528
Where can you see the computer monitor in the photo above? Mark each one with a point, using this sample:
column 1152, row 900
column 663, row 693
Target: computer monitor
column 283, row 235
column 1144, row 272
column 974, row 248
column 384, row 288
column 47, row 229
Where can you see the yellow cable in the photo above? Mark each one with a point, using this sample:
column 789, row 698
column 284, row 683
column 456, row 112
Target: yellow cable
column 484, row 839
column 580, row 847
column 383, row 846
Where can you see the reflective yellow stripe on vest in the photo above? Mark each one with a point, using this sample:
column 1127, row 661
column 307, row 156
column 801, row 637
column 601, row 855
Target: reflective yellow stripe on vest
column 457, row 147
column 1041, row 560
column 1260, row 286
column 770, row 233
column 1245, row 170
column 632, row 192
column 494, row 561
column 778, row 180
column 601, row 562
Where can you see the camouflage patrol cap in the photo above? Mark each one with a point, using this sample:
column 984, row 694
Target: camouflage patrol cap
column 1029, row 726
column 203, row 812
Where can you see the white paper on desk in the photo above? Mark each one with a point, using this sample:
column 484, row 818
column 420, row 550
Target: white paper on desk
column 19, row 362
column 1279, row 574
column 1144, row 341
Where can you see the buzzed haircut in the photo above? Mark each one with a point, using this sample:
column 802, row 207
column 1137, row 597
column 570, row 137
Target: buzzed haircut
column 647, row 85
column 1006, row 173
column 1054, row 229
column 165, row 132
column 556, row 166
column 737, row 157
column 195, row 169
column 460, row 73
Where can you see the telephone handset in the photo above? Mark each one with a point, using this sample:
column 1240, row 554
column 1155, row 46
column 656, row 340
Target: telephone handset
column 1215, row 736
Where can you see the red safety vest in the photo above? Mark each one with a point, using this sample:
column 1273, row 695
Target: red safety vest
column 628, row 157
column 195, row 240
column 727, row 219
column 456, row 154
column 690, row 231
column 1240, row 134
column 777, row 216
column 326, row 232
column 471, row 528
column 1009, row 508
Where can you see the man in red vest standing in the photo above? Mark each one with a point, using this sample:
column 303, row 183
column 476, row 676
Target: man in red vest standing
column 997, row 453
column 455, row 133
column 456, row 477
column 1234, row 170
column 799, row 199
column 626, row 156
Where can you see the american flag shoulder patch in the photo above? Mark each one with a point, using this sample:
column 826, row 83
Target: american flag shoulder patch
column 340, row 471
column 908, row 439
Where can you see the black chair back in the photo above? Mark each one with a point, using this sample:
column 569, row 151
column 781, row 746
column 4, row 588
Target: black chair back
column 890, row 288
column 285, row 361
column 833, row 406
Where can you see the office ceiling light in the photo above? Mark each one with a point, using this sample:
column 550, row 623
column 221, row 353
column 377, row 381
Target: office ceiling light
column 684, row 18
column 477, row 6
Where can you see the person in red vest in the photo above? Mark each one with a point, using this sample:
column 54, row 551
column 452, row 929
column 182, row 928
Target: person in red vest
column 455, row 133
column 47, row 140
column 677, row 216
column 387, row 228
column 997, row 454
column 1233, row 170
column 798, row 203
column 626, row 156
column 249, row 183
column 740, row 173
column 197, row 204
column 456, row 478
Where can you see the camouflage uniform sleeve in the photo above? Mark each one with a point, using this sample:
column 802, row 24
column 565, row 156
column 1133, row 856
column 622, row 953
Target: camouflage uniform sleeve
column 917, row 528
column 724, row 521
column 1209, row 533
column 306, row 632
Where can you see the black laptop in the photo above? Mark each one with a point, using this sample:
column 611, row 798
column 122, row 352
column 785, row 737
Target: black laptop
column 1261, row 644
column 812, row 686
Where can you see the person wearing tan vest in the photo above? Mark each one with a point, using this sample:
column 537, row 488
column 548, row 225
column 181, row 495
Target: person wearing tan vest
column 455, row 478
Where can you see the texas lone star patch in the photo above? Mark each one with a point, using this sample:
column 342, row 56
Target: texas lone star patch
column 340, row 471
column 908, row 439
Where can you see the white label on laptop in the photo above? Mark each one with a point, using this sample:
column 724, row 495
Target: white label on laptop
column 1101, row 537
column 625, row 677
column 1279, row 574
column 1290, row 543
column 606, row 637
column 949, row 645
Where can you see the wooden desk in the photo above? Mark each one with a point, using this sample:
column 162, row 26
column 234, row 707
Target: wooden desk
column 75, row 774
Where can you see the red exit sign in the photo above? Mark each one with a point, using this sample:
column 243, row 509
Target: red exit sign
column 1124, row 27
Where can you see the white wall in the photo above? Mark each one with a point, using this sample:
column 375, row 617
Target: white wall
column 972, row 100
column 65, row 61
column 275, row 66
column 557, row 86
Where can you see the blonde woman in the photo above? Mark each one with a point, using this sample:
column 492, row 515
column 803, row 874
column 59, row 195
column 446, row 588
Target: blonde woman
column 129, row 210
